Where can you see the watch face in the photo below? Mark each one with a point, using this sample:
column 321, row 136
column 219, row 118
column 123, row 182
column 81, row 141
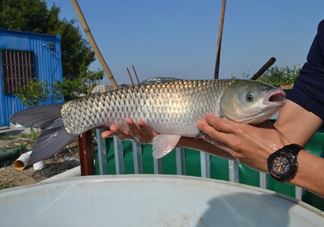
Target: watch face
column 282, row 165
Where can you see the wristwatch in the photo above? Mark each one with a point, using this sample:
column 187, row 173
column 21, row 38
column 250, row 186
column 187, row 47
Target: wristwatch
column 282, row 164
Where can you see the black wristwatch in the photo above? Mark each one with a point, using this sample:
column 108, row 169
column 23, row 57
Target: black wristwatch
column 282, row 164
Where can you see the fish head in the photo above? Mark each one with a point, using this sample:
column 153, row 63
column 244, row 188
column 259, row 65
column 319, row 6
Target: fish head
column 249, row 101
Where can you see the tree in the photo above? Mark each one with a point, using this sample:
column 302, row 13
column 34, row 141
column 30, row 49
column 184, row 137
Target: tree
column 34, row 16
column 77, row 86
column 75, row 50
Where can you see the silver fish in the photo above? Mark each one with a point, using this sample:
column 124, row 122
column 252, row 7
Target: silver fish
column 170, row 107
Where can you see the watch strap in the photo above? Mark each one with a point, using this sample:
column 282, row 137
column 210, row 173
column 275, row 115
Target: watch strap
column 292, row 148
column 287, row 152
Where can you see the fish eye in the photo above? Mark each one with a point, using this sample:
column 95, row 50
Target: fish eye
column 249, row 97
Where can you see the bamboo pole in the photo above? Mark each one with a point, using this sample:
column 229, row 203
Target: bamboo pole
column 94, row 44
column 219, row 39
column 130, row 76
column 135, row 73
column 85, row 139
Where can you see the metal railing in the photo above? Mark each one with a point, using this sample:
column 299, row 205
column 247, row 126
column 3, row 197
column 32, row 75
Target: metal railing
column 233, row 165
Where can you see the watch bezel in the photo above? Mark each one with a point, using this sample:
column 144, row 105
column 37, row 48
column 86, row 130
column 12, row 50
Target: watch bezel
column 287, row 175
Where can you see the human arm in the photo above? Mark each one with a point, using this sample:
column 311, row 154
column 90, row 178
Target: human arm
column 252, row 145
column 298, row 120
column 298, row 125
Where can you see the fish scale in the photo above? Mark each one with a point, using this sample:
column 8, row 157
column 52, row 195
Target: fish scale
column 172, row 106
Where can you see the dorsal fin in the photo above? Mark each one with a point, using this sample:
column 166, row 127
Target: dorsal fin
column 158, row 80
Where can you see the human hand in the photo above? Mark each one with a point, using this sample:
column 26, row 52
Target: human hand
column 252, row 145
column 139, row 131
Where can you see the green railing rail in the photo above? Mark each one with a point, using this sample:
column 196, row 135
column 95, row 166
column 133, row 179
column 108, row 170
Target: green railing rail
column 128, row 157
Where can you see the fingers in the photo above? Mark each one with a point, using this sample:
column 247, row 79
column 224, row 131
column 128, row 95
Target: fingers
column 139, row 131
column 106, row 134
column 213, row 133
column 222, row 124
column 132, row 127
column 225, row 141
column 115, row 130
column 146, row 133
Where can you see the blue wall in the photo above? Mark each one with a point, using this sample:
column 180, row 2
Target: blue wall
column 48, row 65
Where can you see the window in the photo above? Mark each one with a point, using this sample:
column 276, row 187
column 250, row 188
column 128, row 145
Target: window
column 18, row 69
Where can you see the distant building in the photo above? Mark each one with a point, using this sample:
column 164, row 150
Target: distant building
column 25, row 56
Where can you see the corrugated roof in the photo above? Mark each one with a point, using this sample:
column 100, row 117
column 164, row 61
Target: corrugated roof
column 30, row 33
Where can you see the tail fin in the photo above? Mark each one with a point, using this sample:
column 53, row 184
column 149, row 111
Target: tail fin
column 53, row 137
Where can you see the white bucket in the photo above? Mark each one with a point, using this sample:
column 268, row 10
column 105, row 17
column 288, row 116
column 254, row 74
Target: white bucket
column 146, row 200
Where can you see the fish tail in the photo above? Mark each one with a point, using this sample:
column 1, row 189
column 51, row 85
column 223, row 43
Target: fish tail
column 53, row 137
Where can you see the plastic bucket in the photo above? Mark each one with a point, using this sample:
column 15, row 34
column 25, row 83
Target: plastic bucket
column 146, row 200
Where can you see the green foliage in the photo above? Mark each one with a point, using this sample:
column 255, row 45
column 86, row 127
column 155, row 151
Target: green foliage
column 34, row 16
column 34, row 134
column 33, row 94
column 79, row 86
column 69, row 88
column 280, row 76
column 91, row 78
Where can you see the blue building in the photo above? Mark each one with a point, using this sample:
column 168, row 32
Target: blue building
column 26, row 56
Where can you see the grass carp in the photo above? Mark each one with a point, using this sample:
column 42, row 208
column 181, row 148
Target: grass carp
column 170, row 107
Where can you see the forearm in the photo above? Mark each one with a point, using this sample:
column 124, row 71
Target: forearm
column 310, row 173
column 202, row 145
column 298, row 125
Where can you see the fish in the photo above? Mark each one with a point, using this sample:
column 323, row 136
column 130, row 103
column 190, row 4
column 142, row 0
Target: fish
column 171, row 107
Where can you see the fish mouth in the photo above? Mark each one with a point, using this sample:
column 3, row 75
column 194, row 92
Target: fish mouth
column 273, row 101
column 276, row 97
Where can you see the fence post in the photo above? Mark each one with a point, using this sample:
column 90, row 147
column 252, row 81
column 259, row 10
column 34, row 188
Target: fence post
column 137, row 157
column 102, row 156
column 119, row 156
column 85, row 152
column 233, row 167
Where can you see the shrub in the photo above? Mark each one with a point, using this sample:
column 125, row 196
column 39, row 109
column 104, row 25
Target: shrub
column 33, row 93
column 280, row 76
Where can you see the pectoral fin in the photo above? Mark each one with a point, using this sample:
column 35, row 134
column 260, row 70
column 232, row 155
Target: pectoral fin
column 163, row 144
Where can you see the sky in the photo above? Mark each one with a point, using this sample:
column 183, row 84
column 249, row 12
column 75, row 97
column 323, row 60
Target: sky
column 177, row 38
